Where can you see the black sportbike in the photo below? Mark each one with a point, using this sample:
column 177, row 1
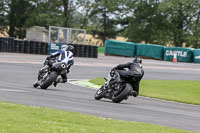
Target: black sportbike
column 50, row 74
column 114, row 88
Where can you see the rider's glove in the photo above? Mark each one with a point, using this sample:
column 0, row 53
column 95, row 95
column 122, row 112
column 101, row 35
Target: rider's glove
column 48, row 58
column 68, row 71
column 113, row 69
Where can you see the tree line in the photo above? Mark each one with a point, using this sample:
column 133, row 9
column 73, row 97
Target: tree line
column 165, row 22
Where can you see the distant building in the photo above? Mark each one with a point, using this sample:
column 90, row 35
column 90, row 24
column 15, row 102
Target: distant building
column 37, row 33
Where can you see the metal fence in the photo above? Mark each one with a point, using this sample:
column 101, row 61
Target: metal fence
column 66, row 35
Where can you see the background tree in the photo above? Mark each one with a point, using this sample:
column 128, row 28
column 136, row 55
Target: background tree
column 182, row 17
column 3, row 16
column 166, row 22
column 75, row 12
column 145, row 23
column 83, row 14
column 69, row 8
column 106, row 25
column 193, row 36
column 18, row 13
column 46, row 13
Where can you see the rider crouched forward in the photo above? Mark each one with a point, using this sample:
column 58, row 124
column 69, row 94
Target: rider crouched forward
column 133, row 75
column 61, row 57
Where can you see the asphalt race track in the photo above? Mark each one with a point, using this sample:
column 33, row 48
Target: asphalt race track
column 18, row 72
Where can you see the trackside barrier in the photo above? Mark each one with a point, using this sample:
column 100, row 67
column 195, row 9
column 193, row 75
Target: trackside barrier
column 80, row 50
column 114, row 47
column 9, row 44
column 150, row 50
column 183, row 54
column 196, row 56
column 6, row 44
column 119, row 48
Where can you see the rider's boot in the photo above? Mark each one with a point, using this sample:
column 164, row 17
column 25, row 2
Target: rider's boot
column 134, row 93
column 60, row 80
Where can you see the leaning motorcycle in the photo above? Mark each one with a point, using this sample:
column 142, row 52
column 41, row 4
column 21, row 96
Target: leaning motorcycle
column 50, row 74
column 115, row 88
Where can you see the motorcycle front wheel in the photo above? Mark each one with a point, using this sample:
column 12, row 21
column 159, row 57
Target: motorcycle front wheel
column 52, row 77
column 123, row 95
column 99, row 94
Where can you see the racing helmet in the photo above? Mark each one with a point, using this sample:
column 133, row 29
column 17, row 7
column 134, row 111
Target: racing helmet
column 137, row 60
column 69, row 48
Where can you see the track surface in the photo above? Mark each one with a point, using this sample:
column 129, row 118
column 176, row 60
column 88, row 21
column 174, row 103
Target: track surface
column 18, row 72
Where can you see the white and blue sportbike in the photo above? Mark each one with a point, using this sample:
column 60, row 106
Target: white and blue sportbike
column 57, row 64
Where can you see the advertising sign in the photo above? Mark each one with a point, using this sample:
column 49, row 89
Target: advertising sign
column 183, row 54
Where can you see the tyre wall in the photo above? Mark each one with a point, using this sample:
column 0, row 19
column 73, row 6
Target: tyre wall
column 8, row 44
column 80, row 50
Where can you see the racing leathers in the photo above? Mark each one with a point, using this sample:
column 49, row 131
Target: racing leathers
column 61, row 56
column 133, row 75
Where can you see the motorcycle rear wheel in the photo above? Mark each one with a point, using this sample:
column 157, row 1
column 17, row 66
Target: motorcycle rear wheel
column 49, row 80
column 123, row 95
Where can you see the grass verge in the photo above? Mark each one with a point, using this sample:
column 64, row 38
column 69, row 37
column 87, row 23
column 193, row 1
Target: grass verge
column 100, row 49
column 28, row 119
column 185, row 91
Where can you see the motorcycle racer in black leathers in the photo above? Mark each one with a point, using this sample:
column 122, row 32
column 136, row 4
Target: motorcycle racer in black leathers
column 133, row 75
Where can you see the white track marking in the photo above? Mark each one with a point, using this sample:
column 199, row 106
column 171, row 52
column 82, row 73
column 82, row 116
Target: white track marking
column 12, row 90
column 80, row 82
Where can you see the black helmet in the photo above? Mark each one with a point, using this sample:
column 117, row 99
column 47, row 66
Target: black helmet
column 69, row 48
column 137, row 60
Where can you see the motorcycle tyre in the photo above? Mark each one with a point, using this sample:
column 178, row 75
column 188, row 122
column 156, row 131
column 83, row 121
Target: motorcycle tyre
column 35, row 85
column 98, row 96
column 53, row 76
column 123, row 95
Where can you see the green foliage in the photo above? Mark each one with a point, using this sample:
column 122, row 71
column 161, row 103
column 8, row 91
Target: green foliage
column 46, row 14
column 97, row 81
column 3, row 18
column 166, row 22
column 144, row 25
column 183, row 20
column 100, row 49
column 105, row 29
column 29, row 119
column 173, row 90
column 19, row 12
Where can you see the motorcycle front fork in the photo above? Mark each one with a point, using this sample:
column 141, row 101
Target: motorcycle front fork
column 107, row 92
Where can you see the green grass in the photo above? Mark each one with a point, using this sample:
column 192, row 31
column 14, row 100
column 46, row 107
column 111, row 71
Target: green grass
column 97, row 81
column 16, row 118
column 173, row 90
column 100, row 49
